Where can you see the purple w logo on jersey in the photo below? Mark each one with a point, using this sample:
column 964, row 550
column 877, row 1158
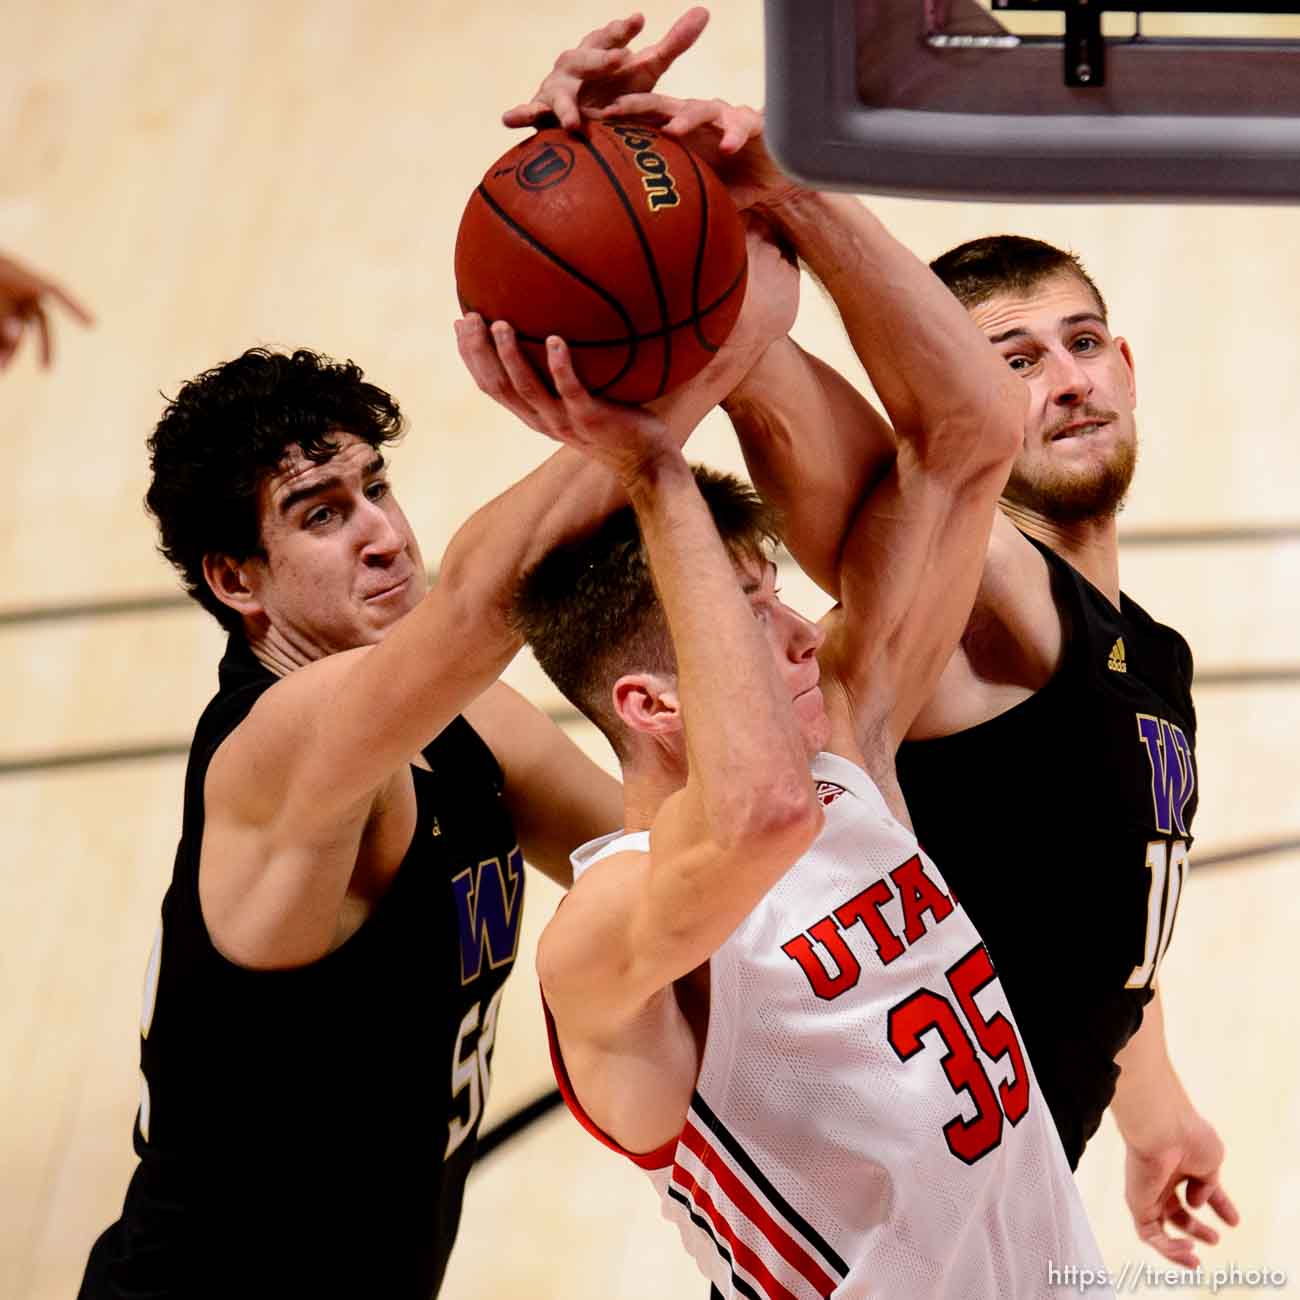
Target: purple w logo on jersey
column 489, row 902
column 1173, row 773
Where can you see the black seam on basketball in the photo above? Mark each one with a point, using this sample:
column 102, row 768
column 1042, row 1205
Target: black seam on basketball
column 631, row 341
column 692, row 320
column 699, row 252
column 649, row 257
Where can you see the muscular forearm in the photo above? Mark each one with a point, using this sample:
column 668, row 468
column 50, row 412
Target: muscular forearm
column 935, row 373
column 814, row 447
column 746, row 756
column 560, row 499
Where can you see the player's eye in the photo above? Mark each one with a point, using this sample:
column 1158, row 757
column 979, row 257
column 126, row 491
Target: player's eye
column 1087, row 343
column 320, row 515
column 377, row 490
column 1020, row 362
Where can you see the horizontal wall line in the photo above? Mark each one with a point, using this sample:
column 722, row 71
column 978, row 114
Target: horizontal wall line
column 110, row 607
column 1264, row 675
column 1227, row 535
column 1231, row 857
column 108, row 755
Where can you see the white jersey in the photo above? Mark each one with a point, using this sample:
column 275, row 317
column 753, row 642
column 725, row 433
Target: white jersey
column 865, row 1121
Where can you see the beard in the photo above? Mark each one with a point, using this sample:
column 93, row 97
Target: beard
column 1072, row 496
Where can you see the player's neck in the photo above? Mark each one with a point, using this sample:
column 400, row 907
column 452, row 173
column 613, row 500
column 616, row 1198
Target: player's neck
column 647, row 782
column 280, row 653
column 1090, row 545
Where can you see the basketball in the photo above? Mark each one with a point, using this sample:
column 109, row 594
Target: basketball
column 621, row 241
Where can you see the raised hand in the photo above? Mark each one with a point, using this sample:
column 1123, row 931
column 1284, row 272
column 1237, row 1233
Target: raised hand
column 24, row 300
column 602, row 68
column 727, row 136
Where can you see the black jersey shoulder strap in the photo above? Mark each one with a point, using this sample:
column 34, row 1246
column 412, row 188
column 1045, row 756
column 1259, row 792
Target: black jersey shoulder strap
column 462, row 760
column 1070, row 590
column 241, row 682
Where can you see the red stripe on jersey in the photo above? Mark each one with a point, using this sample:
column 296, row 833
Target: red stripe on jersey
column 750, row 1206
column 660, row 1158
column 741, row 1252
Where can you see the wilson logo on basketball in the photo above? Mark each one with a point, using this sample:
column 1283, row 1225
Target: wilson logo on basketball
column 661, row 188
column 545, row 169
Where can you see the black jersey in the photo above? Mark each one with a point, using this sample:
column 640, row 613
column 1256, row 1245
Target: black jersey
column 307, row 1132
column 1063, row 825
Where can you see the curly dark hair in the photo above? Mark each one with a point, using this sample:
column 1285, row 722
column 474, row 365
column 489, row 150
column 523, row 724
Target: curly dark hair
column 982, row 268
column 589, row 610
column 231, row 426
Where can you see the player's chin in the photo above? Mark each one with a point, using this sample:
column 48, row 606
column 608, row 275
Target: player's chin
column 376, row 624
column 814, row 722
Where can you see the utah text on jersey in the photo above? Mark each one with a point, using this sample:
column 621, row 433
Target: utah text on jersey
column 918, row 893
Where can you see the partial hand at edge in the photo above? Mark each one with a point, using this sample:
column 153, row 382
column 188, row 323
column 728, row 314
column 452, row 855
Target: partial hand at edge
column 24, row 298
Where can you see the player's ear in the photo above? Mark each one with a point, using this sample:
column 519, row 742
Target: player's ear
column 231, row 583
column 1127, row 353
column 648, row 703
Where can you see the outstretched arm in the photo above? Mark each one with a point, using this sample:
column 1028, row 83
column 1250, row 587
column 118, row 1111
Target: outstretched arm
column 799, row 422
column 913, row 549
column 289, row 794
column 746, row 810
column 814, row 447
column 912, row 557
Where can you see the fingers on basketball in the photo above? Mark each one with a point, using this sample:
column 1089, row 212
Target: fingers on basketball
column 645, row 104
column 523, row 378
column 560, row 363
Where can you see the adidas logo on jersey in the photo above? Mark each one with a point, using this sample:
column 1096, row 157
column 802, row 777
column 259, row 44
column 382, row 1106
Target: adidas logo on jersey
column 1116, row 661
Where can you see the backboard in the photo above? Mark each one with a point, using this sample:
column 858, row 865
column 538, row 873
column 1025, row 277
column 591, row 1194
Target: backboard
column 943, row 99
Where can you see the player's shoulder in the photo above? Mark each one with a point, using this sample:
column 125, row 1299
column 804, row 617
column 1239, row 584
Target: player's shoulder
column 1164, row 648
column 1012, row 554
column 1016, row 625
column 586, row 937
column 247, row 765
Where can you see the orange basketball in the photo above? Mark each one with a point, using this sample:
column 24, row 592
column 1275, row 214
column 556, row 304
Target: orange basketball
column 621, row 241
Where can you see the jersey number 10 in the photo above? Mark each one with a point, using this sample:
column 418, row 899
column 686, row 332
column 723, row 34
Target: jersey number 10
column 1168, row 866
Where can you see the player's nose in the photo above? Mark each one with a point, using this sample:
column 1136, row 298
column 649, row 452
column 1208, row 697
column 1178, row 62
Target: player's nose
column 806, row 637
column 382, row 540
column 1070, row 383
